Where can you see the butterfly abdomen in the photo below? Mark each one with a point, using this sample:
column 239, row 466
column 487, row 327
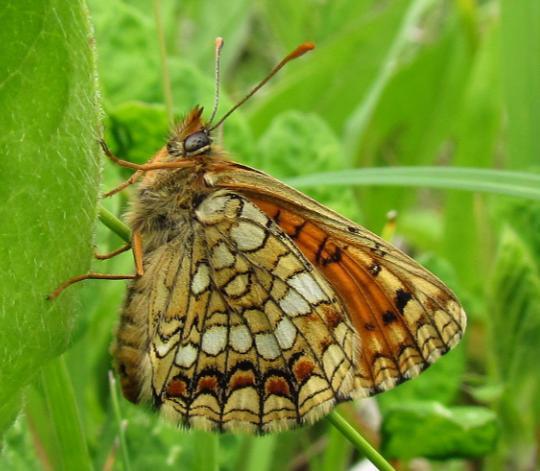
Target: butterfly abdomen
column 130, row 348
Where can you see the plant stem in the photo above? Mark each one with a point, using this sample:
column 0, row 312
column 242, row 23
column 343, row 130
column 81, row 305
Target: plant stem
column 360, row 443
column 114, row 224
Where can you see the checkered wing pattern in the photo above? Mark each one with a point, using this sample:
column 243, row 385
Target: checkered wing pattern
column 404, row 316
column 245, row 335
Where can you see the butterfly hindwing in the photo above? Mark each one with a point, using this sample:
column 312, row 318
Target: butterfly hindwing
column 245, row 335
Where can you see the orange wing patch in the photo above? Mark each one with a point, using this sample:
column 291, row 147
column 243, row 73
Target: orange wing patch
column 403, row 326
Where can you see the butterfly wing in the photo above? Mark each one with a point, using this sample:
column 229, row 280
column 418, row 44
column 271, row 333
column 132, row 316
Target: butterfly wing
column 405, row 317
column 242, row 333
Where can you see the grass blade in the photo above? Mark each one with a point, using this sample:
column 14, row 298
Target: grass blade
column 64, row 416
column 206, row 451
column 357, row 123
column 119, row 422
column 261, row 453
column 522, row 184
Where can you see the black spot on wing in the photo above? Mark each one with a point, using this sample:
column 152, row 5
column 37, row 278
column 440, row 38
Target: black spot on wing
column 402, row 298
column 388, row 317
column 374, row 269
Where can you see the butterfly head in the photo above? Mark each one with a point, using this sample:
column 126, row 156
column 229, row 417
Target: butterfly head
column 191, row 137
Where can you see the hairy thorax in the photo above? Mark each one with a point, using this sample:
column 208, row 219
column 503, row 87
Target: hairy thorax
column 164, row 204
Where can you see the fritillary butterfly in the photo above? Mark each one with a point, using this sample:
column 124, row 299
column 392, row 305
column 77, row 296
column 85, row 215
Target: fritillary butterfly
column 256, row 309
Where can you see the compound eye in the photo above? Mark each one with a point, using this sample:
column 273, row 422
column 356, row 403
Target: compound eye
column 196, row 141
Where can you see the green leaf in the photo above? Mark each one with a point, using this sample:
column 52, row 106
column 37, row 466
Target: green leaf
column 18, row 452
column 53, row 411
column 515, row 307
column 206, row 451
column 354, row 55
column 295, row 22
column 440, row 382
column 436, row 71
column 520, row 47
column 49, row 180
column 260, row 453
column 431, row 430
column 136, row 130
column 358, row 441
column 403, row 120
column 230, row 20
column 298, row 143
column 477, row 131
column 338, row 451
column 515, row 320
column 128, row 59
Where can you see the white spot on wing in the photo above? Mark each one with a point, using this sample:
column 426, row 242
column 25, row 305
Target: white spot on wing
column 306, row 285
column 293, row 304
column 216, row 207
column 248, row 236
column 240, row 339
column 251, row 212
column 212, row 205
column 222, row 256
column 267, row 346
column 285, row 333
column 186, row 356
column 201, row 279
column 163, row 348
column 214, row 340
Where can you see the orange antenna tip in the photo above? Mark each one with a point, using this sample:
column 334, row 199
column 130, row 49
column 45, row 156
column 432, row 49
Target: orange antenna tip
column 301, row 50
column 219, row 43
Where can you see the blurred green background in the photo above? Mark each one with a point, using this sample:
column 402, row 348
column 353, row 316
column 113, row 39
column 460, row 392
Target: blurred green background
column 394, row 83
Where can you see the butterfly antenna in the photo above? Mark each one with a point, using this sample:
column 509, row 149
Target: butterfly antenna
column 219, row 46
column 299, row 51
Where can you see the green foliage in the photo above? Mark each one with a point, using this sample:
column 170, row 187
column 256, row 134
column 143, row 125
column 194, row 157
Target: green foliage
column 57, row 422
column 49, row 181
column 296, row 144
column 432, row 430
column 515, row 309
column 520, row 47
column 412, row 92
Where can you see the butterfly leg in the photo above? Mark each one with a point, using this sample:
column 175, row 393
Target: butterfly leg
column 143, row 167
column 140, row 169
column 114, row 253
column 136, row 245
column 87, row 276
column 136, row 242
column 130, row 181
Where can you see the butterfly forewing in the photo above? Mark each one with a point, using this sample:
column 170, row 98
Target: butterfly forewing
column 405, row 317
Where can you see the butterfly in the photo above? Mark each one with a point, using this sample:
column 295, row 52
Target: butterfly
column 256, row 309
